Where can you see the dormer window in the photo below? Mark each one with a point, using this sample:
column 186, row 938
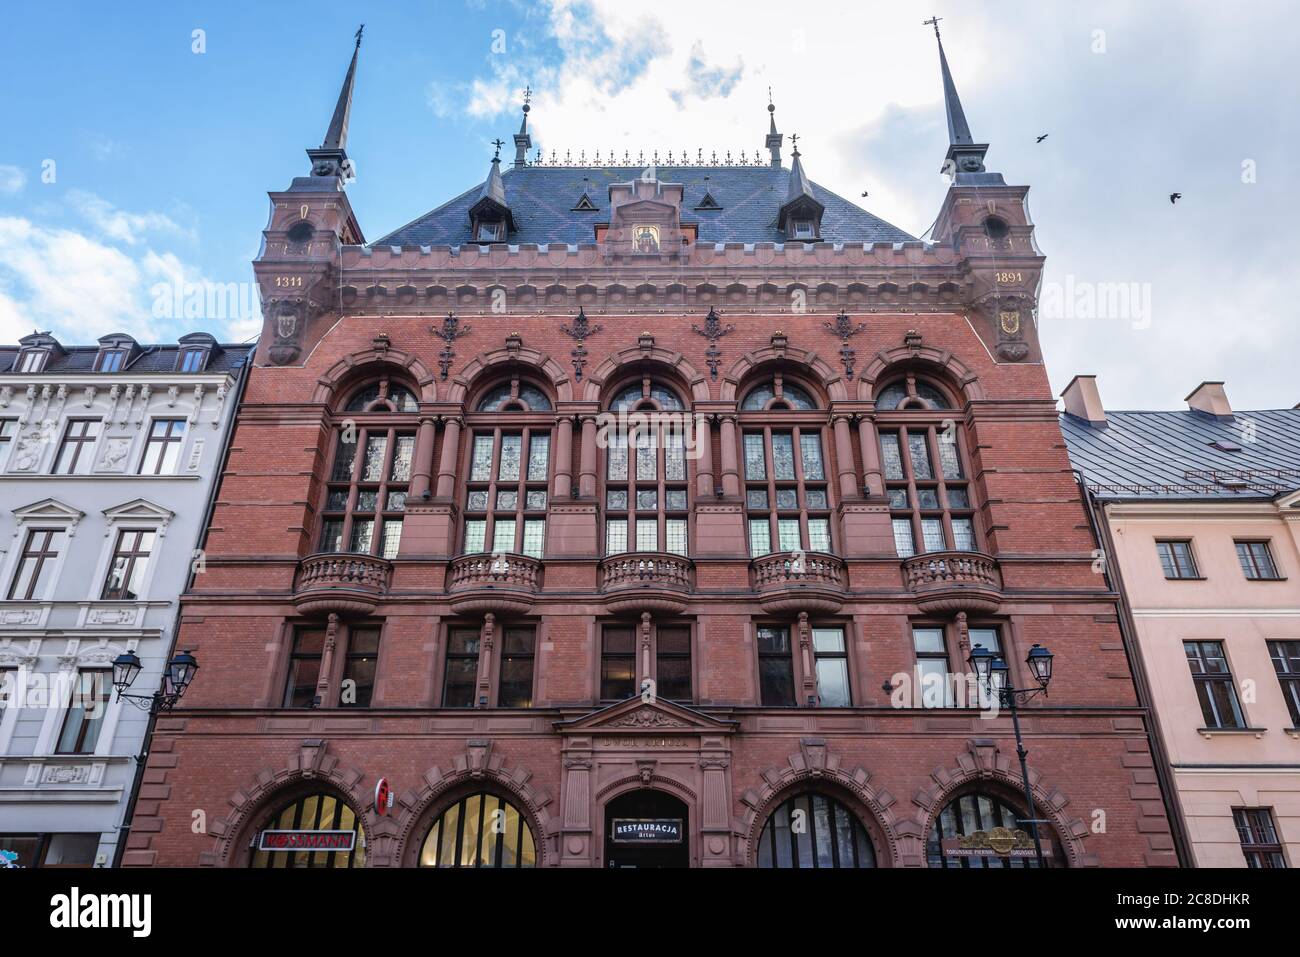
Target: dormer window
column 192, row 360
column 110, row 360
column 489, row 232
column 31, row 360
column 802, row 229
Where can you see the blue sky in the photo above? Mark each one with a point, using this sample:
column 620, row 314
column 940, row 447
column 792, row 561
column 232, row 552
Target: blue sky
column 164, row 156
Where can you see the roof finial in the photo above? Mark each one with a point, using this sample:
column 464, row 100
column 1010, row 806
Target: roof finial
column 964, row 154
column 498, row 143
column 331, row 159
column 773, row 141
column 524, row 142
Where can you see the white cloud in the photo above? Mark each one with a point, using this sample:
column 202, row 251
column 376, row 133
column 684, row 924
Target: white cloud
column 118, row 224
column 12, row 179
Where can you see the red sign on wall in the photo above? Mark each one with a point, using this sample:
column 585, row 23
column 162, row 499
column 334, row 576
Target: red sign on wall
column 306, row 840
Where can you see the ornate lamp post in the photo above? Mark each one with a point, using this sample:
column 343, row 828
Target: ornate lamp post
column 994, row 678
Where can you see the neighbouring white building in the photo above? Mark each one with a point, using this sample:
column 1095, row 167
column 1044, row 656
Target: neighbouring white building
column 108, row 458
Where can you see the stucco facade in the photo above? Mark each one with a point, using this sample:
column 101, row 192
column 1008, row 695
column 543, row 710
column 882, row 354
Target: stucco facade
column 97, row 469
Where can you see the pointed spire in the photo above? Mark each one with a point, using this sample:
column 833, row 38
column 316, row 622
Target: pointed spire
column 801, row 213
column 524, row 142
column 331, row 159
column 491, row 206
column 799, row 185
column 773, row 142
column 964, row 154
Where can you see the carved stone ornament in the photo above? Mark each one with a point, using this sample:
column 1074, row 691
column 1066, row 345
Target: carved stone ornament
column 647, row 718
column 288, row 317
column 1008, row 314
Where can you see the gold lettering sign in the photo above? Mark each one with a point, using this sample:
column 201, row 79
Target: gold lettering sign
column 1010, row 321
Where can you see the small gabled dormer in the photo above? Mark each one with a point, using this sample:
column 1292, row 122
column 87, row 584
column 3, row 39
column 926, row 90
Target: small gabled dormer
column 195, row 352
column 36, row 352
column 490, row 217
column 116, row 352
column 801, row 213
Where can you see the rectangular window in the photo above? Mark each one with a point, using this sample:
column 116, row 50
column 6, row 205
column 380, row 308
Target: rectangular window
column 675, row 536
column 539, row 451
column 935, row 687
column 787, row 535
column 130, row 560
column 615, row 536
column 647, row 535
column 372, row 467
column 515, row 689
column 503, row 535
column 1214, row 687
column 345, row 457
column 647, row 458
column 86, row 709
column 304, row 668
column 616, row 457
column 991, row 640
column 392, row 538
column 534, row 537
column 673, row 663
column 832, row 667
column 674, row 457
column 363, row 535
column 1258, row 834
column 932, row 534
column 192, row 360
column 810, row 450
column 32, row 361
column 8, row 428
column 617, row 663
column 775, row 667
column 475, row 535
column 963, row 534
column 755, row 463
column 480, row 469
column 1176, row 559
column 36, row 564
column 76, row 451
column 403, row 453
column 359, row 667
column 110, row 361
column 949, row 460
column 760, row 537
column 1256, row 561
column 782, row 456
column 903, row 543
column 819, row 534
column 1286, row 662
column 920, row 456
column 891, row 456
column 461, row 672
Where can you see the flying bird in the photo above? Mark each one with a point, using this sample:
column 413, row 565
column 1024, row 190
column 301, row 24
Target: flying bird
column 1175, row 197
column 864, row 192
column 1043, row 137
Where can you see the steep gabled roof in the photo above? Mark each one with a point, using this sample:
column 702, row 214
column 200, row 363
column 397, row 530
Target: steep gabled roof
column 541, row 198
column 1185, row 454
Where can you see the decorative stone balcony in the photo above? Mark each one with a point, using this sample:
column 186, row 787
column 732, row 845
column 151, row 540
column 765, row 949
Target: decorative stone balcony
column 949, row 582
column 791, row 582
column 647, row 581
column 340, row 582
column 500, row 583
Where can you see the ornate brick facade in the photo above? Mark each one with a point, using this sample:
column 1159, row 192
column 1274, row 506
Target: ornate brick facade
column 827, row 325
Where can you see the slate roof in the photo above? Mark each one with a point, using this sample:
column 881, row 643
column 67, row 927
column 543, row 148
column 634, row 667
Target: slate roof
column 542, row 200
column 1168, row 455
column 152, row 359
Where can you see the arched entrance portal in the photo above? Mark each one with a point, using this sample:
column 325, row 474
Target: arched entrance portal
column 646, row 828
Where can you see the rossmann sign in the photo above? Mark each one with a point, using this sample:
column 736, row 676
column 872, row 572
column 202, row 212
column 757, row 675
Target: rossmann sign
column 306, row 840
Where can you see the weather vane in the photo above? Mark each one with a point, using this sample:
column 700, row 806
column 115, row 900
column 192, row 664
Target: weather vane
column 528, row 95
column 498, row 143
column 932, row 22
column 359, row 31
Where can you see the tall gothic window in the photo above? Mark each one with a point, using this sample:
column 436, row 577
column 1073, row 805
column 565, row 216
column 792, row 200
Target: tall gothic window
column 786, row 495
column 922, row 453
column 509, row 466
column 646, row 500
column 370, row 471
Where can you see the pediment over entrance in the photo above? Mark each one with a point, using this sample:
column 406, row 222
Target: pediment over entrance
column 636, row 715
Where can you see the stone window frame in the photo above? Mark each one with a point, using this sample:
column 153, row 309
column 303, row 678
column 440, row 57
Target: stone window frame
column 515, row 417
column 489, row 672
column 48, row 513
column 779, row 417
column 641, row 667
column 85, row 654
column 338, row 663
column 917, row 415
column 138, row 515
column 800, row 674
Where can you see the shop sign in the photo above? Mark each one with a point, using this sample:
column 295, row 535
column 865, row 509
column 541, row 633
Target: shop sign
column 995, row 842
column 630, row 830
column 306, row 840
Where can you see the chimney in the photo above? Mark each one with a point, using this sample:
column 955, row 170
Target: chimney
column 1209, row 397
column 1083, row 401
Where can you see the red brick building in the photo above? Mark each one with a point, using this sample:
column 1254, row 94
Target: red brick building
column 437, row 559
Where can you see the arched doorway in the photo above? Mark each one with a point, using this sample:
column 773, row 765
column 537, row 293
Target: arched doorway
column 981, row 828
column 647, row 828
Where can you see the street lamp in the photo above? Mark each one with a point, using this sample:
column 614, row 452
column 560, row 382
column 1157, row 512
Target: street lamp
column 995, row 679
column 176, row 678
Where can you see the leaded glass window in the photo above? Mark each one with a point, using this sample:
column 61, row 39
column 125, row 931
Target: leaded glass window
column 504, row 486
column 786, row 488
column 646, row 493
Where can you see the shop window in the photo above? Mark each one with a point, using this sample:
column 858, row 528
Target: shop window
column 286, row 838
column 480, row 830
column 811, row 830
column 973, row 815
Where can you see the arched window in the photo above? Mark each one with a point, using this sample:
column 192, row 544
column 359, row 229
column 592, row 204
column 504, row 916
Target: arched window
column 481, row 830
column 287, row 837
column 509, row 467
column 922, row 453
column 787, row 499
column 813, row 830
column 369, row 475
column 646, row 492
column 960, row 835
